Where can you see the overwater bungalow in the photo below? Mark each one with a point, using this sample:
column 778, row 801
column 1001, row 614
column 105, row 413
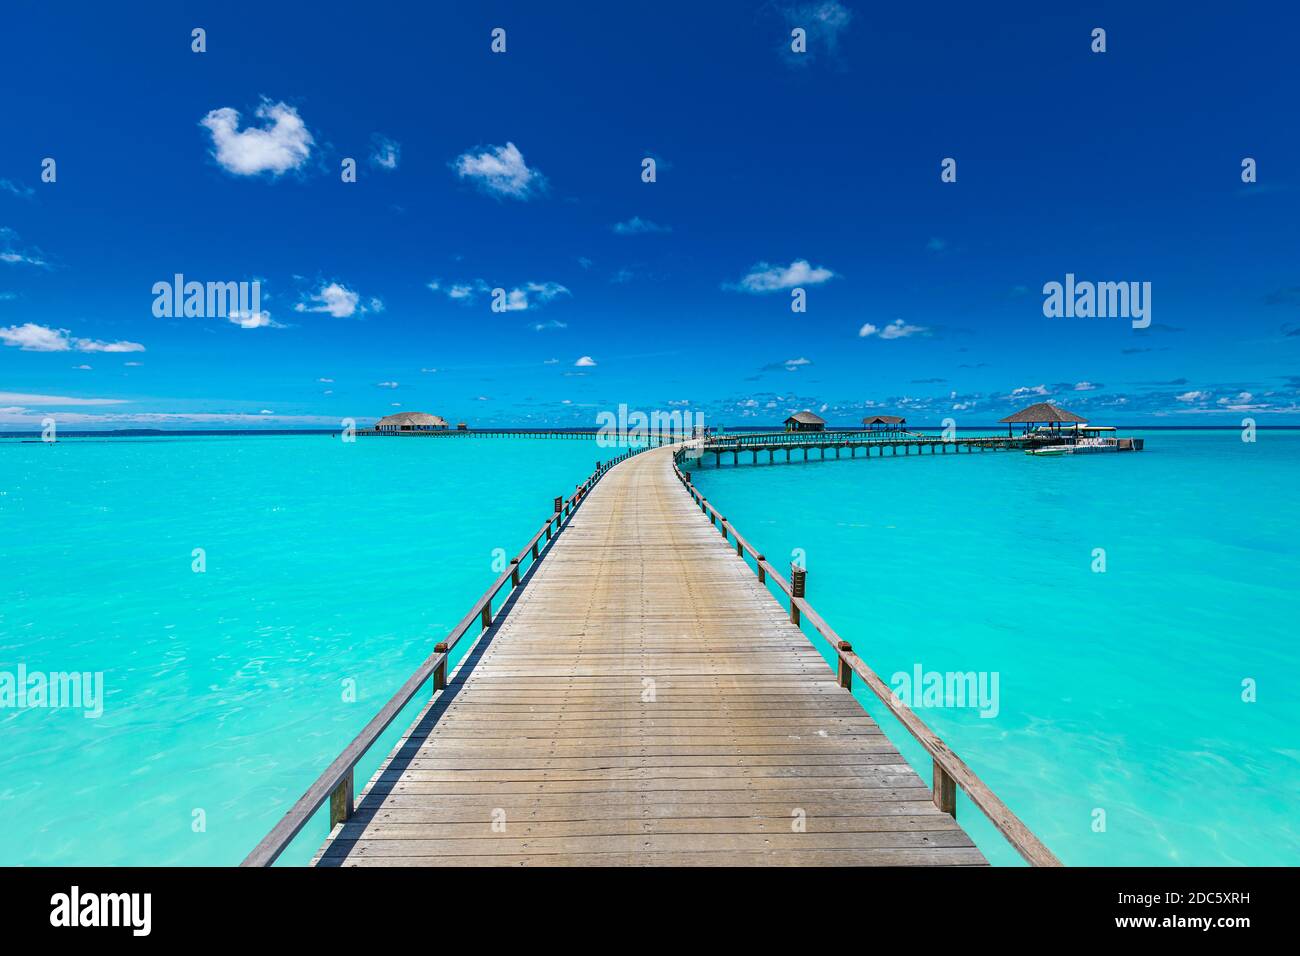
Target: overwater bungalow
column 1056, row 431
column 411, row 422
column 805, row 421
column 884, row 425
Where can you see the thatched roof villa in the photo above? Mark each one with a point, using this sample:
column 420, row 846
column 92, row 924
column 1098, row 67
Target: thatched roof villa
column 805, row 421
column 1042, row 413
column 411, row 422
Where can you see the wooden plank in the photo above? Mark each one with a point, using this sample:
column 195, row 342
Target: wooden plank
column 645, row 701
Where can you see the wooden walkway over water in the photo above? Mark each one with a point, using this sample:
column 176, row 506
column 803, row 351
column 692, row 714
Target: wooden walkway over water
column 641, row 698
column 646, row 701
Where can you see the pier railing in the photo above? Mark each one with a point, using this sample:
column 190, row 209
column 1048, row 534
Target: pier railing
column 950, row 771
column 832, row 437
column 798, row 438
column 337, row 783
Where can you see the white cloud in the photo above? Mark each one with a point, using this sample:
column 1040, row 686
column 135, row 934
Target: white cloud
column 1241, row 402
column 1084, row 387
column 339, row 301
column 94, row 345
column 765, row 277
column 1029, row 390
column 500, row 171
column 84, row 368
column 823, row 20
column 19, row 257
column 526, row 296
column 266, row 411
column 384, row 153
column 24, row 416
column 585, row 362
column 325, row 381
column 1193, row 397
column 551, row 324
column 282, row 143
column 31, row 337
column 898, row 329
column 22, row 192
column 637, row 226
column 26, row 398
column 387, row 384
column 13, row 256
column 253, row 320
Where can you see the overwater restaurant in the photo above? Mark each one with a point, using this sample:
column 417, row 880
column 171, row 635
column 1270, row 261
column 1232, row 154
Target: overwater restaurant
column 411, row 422
column 1043, row 417
column 805, row 421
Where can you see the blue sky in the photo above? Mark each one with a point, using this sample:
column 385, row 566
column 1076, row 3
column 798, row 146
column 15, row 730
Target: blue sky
column 522, row 171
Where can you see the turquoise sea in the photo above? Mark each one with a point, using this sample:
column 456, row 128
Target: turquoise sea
column 332, row 565
column 326, row 563
column 1120, row 691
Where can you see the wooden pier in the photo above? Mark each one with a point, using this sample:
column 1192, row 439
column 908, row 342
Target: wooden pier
column 798, row 446
column 641, row 697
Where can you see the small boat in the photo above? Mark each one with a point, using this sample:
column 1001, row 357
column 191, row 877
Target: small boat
column 1090, row 440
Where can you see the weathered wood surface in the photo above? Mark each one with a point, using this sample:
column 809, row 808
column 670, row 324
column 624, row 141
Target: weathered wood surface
column 645, row 702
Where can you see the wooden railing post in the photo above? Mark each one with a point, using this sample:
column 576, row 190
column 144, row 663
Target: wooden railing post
column 762, row 572
column 487, row 614
column 440, row 672
column 945, row 791
column 843, row 671
column 341, row 801
column 798, row 587
column 514, row 572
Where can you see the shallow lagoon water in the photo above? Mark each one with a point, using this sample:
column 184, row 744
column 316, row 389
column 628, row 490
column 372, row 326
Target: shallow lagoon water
column 330, row 563
column 326, row 563
column 1120, row 692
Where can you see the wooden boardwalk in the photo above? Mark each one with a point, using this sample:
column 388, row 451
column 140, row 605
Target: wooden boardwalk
column 642, row 699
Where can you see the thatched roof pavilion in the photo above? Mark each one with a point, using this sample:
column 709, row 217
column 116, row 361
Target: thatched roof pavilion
column 805, row 421
column 1042, row 413
column 884, row 423
column 411, row 422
